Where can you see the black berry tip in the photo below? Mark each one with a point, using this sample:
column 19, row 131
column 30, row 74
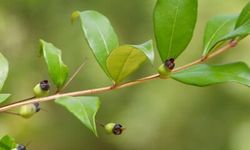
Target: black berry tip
column 21, row 147
column 117, row 130
column 45, row 85
column 169, row 63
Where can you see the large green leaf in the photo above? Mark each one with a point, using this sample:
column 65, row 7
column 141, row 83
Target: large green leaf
column 84, row 108
column 58, row 71
column 174, row 22
column 123, row 61
column 100, row 35
column 3, row 97
column 7, row 143
column 203, row 74
column 4, row 70
column 244, row 16
column 216, row 29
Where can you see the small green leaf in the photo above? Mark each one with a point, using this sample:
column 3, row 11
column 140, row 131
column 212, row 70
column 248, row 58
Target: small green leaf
column 58, row 71
column 241, row 32
column 147, row 49
column 203, row 74
column 217, row 28
column 242, row 27
column 84, row 108
column 100, row 35
column 174, row 22
column 4, row 70
column 3, row 97
column 7, row 143
column 244, row 16
column 123, row 61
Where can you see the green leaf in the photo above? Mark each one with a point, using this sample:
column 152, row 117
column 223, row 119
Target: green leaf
column 84, row 108
column 241, row 32
column 123, row 61
column 3, row 97
column 58, row 71
column 174, row 22
column 147, row 49
column 203, row 74
column 4, row 70
column 242, row 27
column 7, row 143
column 244, row 16
column 216, row 29
column 100, row 35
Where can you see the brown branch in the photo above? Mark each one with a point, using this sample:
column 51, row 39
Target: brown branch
column 112, row 87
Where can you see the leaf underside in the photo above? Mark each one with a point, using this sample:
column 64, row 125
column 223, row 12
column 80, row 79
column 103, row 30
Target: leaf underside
column 216, row 29
column 204, row 75
column 123, row 61
column 84, row 108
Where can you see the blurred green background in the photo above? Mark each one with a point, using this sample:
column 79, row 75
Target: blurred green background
column 160, row 114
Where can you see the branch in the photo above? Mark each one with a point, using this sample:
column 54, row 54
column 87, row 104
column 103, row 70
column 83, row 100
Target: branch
column 231, row 44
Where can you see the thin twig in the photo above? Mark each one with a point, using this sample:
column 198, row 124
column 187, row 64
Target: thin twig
column 109, row 88
column 74, row 75
column 12, row 113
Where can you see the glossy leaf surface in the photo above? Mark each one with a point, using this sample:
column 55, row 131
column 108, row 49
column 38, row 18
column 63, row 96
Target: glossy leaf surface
column 58, row 71
column 174, row 22
column 99, row 34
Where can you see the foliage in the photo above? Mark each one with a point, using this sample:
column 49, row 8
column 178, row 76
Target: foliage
column 174, row 23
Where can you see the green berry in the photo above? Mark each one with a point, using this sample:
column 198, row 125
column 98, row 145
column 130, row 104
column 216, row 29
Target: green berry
column 114, row 128
column 42, row 89
column 163, row 71
column 109, row 127
column 29, row 110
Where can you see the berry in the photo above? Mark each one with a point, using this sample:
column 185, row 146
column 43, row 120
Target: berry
column 20, row 147
column 164, row 73
column 42, row 89
column 29, row 110
column 114, row 128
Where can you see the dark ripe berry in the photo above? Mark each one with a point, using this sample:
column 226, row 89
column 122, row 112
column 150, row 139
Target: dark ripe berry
column 117, row 130
column 169, row 63
column 21, row 147
column 45, row 85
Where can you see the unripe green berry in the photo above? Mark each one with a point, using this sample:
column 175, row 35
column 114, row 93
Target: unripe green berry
column 114, row 128
column 29, row 110
column 42, row 89
column 163, row 71
column 109, row 127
